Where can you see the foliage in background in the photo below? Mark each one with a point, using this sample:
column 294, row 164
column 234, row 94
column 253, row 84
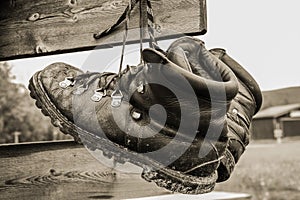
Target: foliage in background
column 18, row 112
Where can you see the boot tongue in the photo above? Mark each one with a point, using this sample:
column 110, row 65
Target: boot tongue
column 209, row 78
column 177, row 55
column 188, row 60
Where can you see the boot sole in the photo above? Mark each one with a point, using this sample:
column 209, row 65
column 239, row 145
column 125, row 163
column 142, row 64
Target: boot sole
column 152, row 170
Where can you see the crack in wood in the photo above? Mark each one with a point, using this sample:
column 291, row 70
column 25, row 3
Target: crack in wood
column 69, row 25
column 73, row 12
column 38, row 17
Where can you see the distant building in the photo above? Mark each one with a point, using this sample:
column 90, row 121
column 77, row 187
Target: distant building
column 277, row 120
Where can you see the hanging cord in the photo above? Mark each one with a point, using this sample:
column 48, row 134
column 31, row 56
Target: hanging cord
column 125, row 37
column 141, row 31
column 118, row 22
column 147, row 21
column 150, row 19
column 117, row 95
column 152, row 27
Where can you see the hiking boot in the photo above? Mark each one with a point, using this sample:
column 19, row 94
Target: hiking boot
column 163, row 118
column 241, row 109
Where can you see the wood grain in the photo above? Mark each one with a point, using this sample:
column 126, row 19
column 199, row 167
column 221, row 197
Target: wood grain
column 41, row 27
column 64, row 170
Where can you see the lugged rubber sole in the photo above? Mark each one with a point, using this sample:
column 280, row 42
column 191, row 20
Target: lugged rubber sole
column 153, row 171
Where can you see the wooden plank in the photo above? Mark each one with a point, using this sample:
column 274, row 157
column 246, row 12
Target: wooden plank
column 65, row 170
column 41, row 27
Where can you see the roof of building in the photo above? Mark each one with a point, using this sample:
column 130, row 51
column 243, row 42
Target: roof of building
column 290, row 119
column 276, row 111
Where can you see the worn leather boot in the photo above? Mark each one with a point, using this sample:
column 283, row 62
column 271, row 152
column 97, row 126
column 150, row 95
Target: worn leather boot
column 244, row 105
column 167, row 120
column 239, row 117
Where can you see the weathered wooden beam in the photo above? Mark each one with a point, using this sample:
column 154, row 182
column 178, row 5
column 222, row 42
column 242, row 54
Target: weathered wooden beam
column 66, row 170
column 40, row 27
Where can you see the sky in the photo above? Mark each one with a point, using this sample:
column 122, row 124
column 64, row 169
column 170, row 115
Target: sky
column 263, row 36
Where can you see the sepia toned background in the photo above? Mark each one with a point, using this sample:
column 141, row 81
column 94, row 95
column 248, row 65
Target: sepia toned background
column 262, row 35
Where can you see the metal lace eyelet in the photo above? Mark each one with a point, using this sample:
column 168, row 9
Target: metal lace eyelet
column 98, row 95
column 68, row 81
column 136, row 115
column 141, row 88
column 235, row 112
column 117, row 97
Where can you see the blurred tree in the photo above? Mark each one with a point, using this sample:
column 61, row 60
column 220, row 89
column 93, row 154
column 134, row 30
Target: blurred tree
column 7, row 99
column 18, row 112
